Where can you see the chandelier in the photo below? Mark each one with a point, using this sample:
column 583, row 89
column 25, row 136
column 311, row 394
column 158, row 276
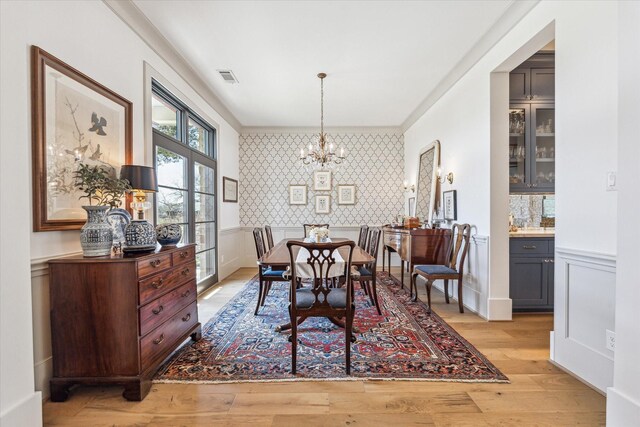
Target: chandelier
column 323, row 154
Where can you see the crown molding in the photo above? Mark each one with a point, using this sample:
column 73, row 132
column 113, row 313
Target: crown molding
column 504, row 24
column 378, row 130
column 129, row 13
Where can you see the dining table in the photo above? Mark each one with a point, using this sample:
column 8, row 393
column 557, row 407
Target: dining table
column 278, row 256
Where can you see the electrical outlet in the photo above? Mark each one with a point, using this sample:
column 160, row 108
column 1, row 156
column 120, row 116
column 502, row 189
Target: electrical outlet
column 611, row 340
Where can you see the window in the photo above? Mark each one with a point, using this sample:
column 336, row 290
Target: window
column 184, row 157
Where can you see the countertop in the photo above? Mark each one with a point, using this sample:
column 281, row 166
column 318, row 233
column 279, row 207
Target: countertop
column 533, row 232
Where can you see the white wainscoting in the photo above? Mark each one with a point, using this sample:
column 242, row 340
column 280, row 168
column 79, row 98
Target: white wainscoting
column 43, row 363
column 279, row 233
column 231, row 248
column 475, row 286
column 585, row 285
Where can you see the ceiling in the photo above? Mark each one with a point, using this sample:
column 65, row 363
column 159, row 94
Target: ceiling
column 382, row 58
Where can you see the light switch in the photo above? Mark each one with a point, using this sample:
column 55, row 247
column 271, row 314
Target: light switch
column 611, row 181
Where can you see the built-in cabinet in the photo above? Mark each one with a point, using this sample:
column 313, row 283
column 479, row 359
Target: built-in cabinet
column 531, row 273
column 532, row 126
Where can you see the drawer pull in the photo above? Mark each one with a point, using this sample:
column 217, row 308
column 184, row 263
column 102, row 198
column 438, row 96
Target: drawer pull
column 184, row 254
column 529, row 247
column 187, row 317
column 159, row 340
column 186, row 294
column 154, row 263
column 185, row 271
column 158, row 284
column 157, row 310
column 551, row 261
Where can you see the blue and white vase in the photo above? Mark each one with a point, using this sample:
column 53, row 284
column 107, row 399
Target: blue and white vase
column 140, row 236
column 168, row 234
column 96, row 236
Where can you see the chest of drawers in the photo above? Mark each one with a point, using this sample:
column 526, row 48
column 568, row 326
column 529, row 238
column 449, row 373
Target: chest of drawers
column 115, row 319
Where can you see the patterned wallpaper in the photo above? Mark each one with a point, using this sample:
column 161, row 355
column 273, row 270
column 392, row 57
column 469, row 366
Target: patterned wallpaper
column 269, row 163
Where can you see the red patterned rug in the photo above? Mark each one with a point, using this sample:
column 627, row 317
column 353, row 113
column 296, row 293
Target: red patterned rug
column 408, row 342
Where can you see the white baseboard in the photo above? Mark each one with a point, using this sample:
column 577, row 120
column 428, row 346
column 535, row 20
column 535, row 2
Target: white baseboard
column 499, row 309
column 27, row 413
column 622, row 411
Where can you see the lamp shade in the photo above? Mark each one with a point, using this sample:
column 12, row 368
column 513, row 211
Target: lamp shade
column 142, row 178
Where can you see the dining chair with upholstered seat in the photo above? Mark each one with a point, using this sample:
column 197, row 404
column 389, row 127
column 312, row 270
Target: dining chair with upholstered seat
column 453, row 270
column 267, row 231
column 266, row 275
column 321, row 263
column 308, row 227
column 362, row 237
column 366, row 274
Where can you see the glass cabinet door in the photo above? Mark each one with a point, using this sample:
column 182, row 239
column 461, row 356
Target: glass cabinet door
column 518, row 155
column 543, row 147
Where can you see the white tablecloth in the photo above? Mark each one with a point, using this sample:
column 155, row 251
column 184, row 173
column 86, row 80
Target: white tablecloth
column 305, row 270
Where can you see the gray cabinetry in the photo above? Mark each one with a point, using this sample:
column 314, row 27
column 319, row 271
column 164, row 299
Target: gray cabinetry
column 531, row 264
column 532, row 126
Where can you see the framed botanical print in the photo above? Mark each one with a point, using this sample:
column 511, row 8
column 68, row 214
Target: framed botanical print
column 229, row 190
column 322, row 180
column 449, row 205
column 347, row 194
column 75, row 120
column 297, row 194
column 323, row 204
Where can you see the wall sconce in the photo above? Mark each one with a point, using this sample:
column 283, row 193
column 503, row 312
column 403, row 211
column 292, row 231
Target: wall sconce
column 447, row 177
column 407, row 187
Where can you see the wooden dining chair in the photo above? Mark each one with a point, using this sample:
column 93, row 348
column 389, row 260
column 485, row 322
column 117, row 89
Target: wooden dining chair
column 366, row 274
column 322, row 299
column 453, row 270
column 308, row 227
column 362, row 237
column 267, row 231
column 266, row 275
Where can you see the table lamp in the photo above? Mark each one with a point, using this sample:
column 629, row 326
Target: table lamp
column 139, row 234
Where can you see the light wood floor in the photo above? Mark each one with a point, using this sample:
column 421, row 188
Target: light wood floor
column 539, row 393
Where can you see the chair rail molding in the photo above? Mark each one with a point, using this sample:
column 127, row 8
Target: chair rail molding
column 585, row 287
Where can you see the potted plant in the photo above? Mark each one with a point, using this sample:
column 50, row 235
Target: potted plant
column 100, row 185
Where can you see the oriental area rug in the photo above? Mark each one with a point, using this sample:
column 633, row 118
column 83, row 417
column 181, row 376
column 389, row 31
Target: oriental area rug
column 406, row 342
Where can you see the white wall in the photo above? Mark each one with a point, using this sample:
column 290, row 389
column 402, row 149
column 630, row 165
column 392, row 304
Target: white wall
column 90, row 37
column 623, row 399
column 586, row 108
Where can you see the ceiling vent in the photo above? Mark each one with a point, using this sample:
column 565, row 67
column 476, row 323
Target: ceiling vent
column 228, row 76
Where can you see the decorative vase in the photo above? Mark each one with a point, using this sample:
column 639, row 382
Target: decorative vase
column 96, row 236
column 140, row 236
column 168, row 234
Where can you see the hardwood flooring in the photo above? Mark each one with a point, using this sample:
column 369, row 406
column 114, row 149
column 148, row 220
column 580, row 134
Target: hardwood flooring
column 539, row 393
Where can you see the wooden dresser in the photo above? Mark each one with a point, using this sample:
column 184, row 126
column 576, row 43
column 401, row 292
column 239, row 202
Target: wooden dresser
column 115, row 319
column 415, row 246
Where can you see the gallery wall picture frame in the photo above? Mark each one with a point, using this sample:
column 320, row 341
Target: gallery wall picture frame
column 229, row 190
column 74, row 120
column 323, row 204
column 449, row 205
column 322, row 180
column 346, row 194
column 297, row 194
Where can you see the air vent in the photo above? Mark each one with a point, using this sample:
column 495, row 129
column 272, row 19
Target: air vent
column 228, row 76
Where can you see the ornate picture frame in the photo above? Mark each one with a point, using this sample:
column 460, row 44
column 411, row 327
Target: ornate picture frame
column 323, row 204
column 297, row 194
column 229, row 190
column 74, row 119
column 346, row 194
column 322, row 180
column 449, row 205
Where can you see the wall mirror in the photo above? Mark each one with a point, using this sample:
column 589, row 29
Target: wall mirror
column 426, row 181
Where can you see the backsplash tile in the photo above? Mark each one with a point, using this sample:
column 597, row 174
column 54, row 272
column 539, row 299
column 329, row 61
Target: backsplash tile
column 527, row 209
